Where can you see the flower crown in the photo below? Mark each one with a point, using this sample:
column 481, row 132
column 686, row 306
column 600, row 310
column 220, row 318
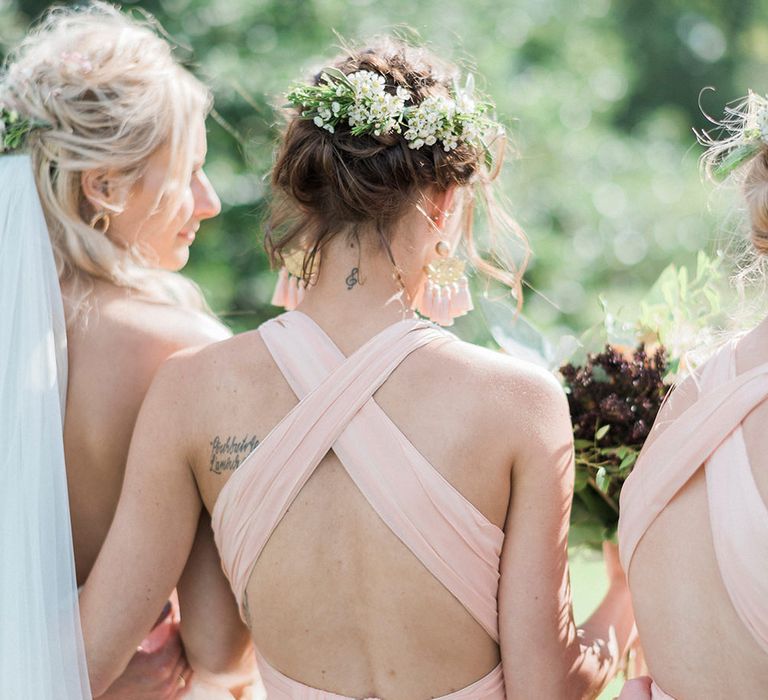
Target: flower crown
column 14, row 129
column 750, row 127
column 361, row 99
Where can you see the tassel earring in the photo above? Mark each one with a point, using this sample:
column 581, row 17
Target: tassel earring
column 290, row 288
column 446, row 293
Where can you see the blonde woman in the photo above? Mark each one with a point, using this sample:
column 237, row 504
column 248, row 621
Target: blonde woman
column 392, row 505
column 108, row 128
column 697, row 501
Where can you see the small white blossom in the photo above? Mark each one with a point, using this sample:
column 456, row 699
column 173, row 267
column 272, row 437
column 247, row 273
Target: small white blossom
column 370, row 108
column 762, row 122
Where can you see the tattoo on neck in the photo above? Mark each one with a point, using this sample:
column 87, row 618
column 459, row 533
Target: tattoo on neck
column 352, row 278
column 228, row 453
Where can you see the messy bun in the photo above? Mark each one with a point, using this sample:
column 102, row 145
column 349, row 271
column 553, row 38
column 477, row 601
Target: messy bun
column 326, row 184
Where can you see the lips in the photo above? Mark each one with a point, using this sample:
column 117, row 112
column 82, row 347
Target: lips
column 188, row 236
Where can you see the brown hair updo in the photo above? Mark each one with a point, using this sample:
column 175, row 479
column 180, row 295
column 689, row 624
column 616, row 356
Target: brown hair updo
column 325, row 184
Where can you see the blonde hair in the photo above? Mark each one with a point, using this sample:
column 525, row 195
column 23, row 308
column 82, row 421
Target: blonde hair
column 740, row 153
column 112, row 94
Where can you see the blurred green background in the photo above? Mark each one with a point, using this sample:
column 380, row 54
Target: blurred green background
column 600, row 98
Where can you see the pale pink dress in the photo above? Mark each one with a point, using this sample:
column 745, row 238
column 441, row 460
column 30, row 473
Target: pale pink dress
column 709, row 435
column 336, row 410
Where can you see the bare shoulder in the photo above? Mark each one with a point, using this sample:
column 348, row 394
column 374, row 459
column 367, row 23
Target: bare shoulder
column 218, row 369
column 516, row 406
column 164, row 325
column 116, row 349
column 506, row 383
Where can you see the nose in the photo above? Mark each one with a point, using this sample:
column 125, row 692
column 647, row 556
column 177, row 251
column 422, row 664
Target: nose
column 207, row 202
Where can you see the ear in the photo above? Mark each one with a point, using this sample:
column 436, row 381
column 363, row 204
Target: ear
column 440, row 204
column 98, row 190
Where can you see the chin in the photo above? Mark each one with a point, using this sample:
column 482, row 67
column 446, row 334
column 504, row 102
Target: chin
column 177, row 260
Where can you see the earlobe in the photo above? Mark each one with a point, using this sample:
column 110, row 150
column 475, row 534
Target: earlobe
column 97, row 190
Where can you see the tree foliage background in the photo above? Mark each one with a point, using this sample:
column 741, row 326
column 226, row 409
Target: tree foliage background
column 600, row 98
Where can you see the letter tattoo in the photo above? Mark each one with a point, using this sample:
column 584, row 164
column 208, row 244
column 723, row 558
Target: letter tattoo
column 228, row 453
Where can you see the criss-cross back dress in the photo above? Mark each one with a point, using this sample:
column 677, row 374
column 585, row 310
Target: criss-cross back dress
column 709, row 435
column 459, row 546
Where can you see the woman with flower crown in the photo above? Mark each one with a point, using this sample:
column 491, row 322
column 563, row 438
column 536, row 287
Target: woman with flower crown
column 696, row 501
column 101, row 192
column 396, row 523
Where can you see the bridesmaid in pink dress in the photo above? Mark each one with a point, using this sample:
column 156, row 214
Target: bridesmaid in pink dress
column 390, row 503
column 694, row 523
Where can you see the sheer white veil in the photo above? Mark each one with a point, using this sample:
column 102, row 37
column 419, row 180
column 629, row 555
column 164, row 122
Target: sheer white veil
column 41, row 646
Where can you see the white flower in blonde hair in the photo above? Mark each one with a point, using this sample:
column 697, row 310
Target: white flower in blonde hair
column 76, row 62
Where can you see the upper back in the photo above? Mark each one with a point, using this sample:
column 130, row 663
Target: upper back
column 336, row 599
column 114, row 351
column 696, row 643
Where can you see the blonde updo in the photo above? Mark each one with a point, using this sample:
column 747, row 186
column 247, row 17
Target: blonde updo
column 741, row 154
column 113, row 94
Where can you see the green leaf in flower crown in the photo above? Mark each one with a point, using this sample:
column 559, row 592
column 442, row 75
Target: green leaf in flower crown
column 337, row 74
column 735, row 158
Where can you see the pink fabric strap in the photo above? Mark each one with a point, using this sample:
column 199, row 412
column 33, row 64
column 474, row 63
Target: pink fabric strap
column 455, row 542
column 709, row 432
column 259, row 493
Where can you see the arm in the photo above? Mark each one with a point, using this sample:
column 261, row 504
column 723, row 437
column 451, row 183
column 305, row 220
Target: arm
column 151, row 535
column 544, row 655
column 205, row 596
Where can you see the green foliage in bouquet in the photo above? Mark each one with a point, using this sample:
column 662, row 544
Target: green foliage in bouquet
column 614, row 398
column 616, row 375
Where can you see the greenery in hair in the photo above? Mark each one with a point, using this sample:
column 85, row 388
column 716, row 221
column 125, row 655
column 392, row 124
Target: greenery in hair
column 748, row 125
column 14, row 129
column 361, row 99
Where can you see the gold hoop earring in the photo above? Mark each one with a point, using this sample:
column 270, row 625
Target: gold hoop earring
column 100, row 221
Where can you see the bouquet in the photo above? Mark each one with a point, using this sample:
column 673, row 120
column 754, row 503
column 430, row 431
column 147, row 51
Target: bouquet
column 614, row 397
column 616, row 376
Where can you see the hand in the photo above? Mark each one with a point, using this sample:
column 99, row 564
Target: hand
column 162, row 674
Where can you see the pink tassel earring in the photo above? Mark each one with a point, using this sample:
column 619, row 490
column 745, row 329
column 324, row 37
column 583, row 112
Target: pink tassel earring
column 290, row 288
column 446, row 293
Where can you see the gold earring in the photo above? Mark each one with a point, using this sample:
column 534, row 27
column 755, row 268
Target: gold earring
column 291, row 286
column 100, row 221
column 446, row 293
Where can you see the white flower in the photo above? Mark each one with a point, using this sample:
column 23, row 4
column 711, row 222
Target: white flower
column 762, row 122
column 318, row 121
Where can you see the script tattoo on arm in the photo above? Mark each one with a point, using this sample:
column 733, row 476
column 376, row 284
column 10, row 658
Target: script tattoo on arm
column 228, row 452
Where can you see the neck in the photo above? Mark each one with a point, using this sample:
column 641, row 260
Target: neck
column 357, row 291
